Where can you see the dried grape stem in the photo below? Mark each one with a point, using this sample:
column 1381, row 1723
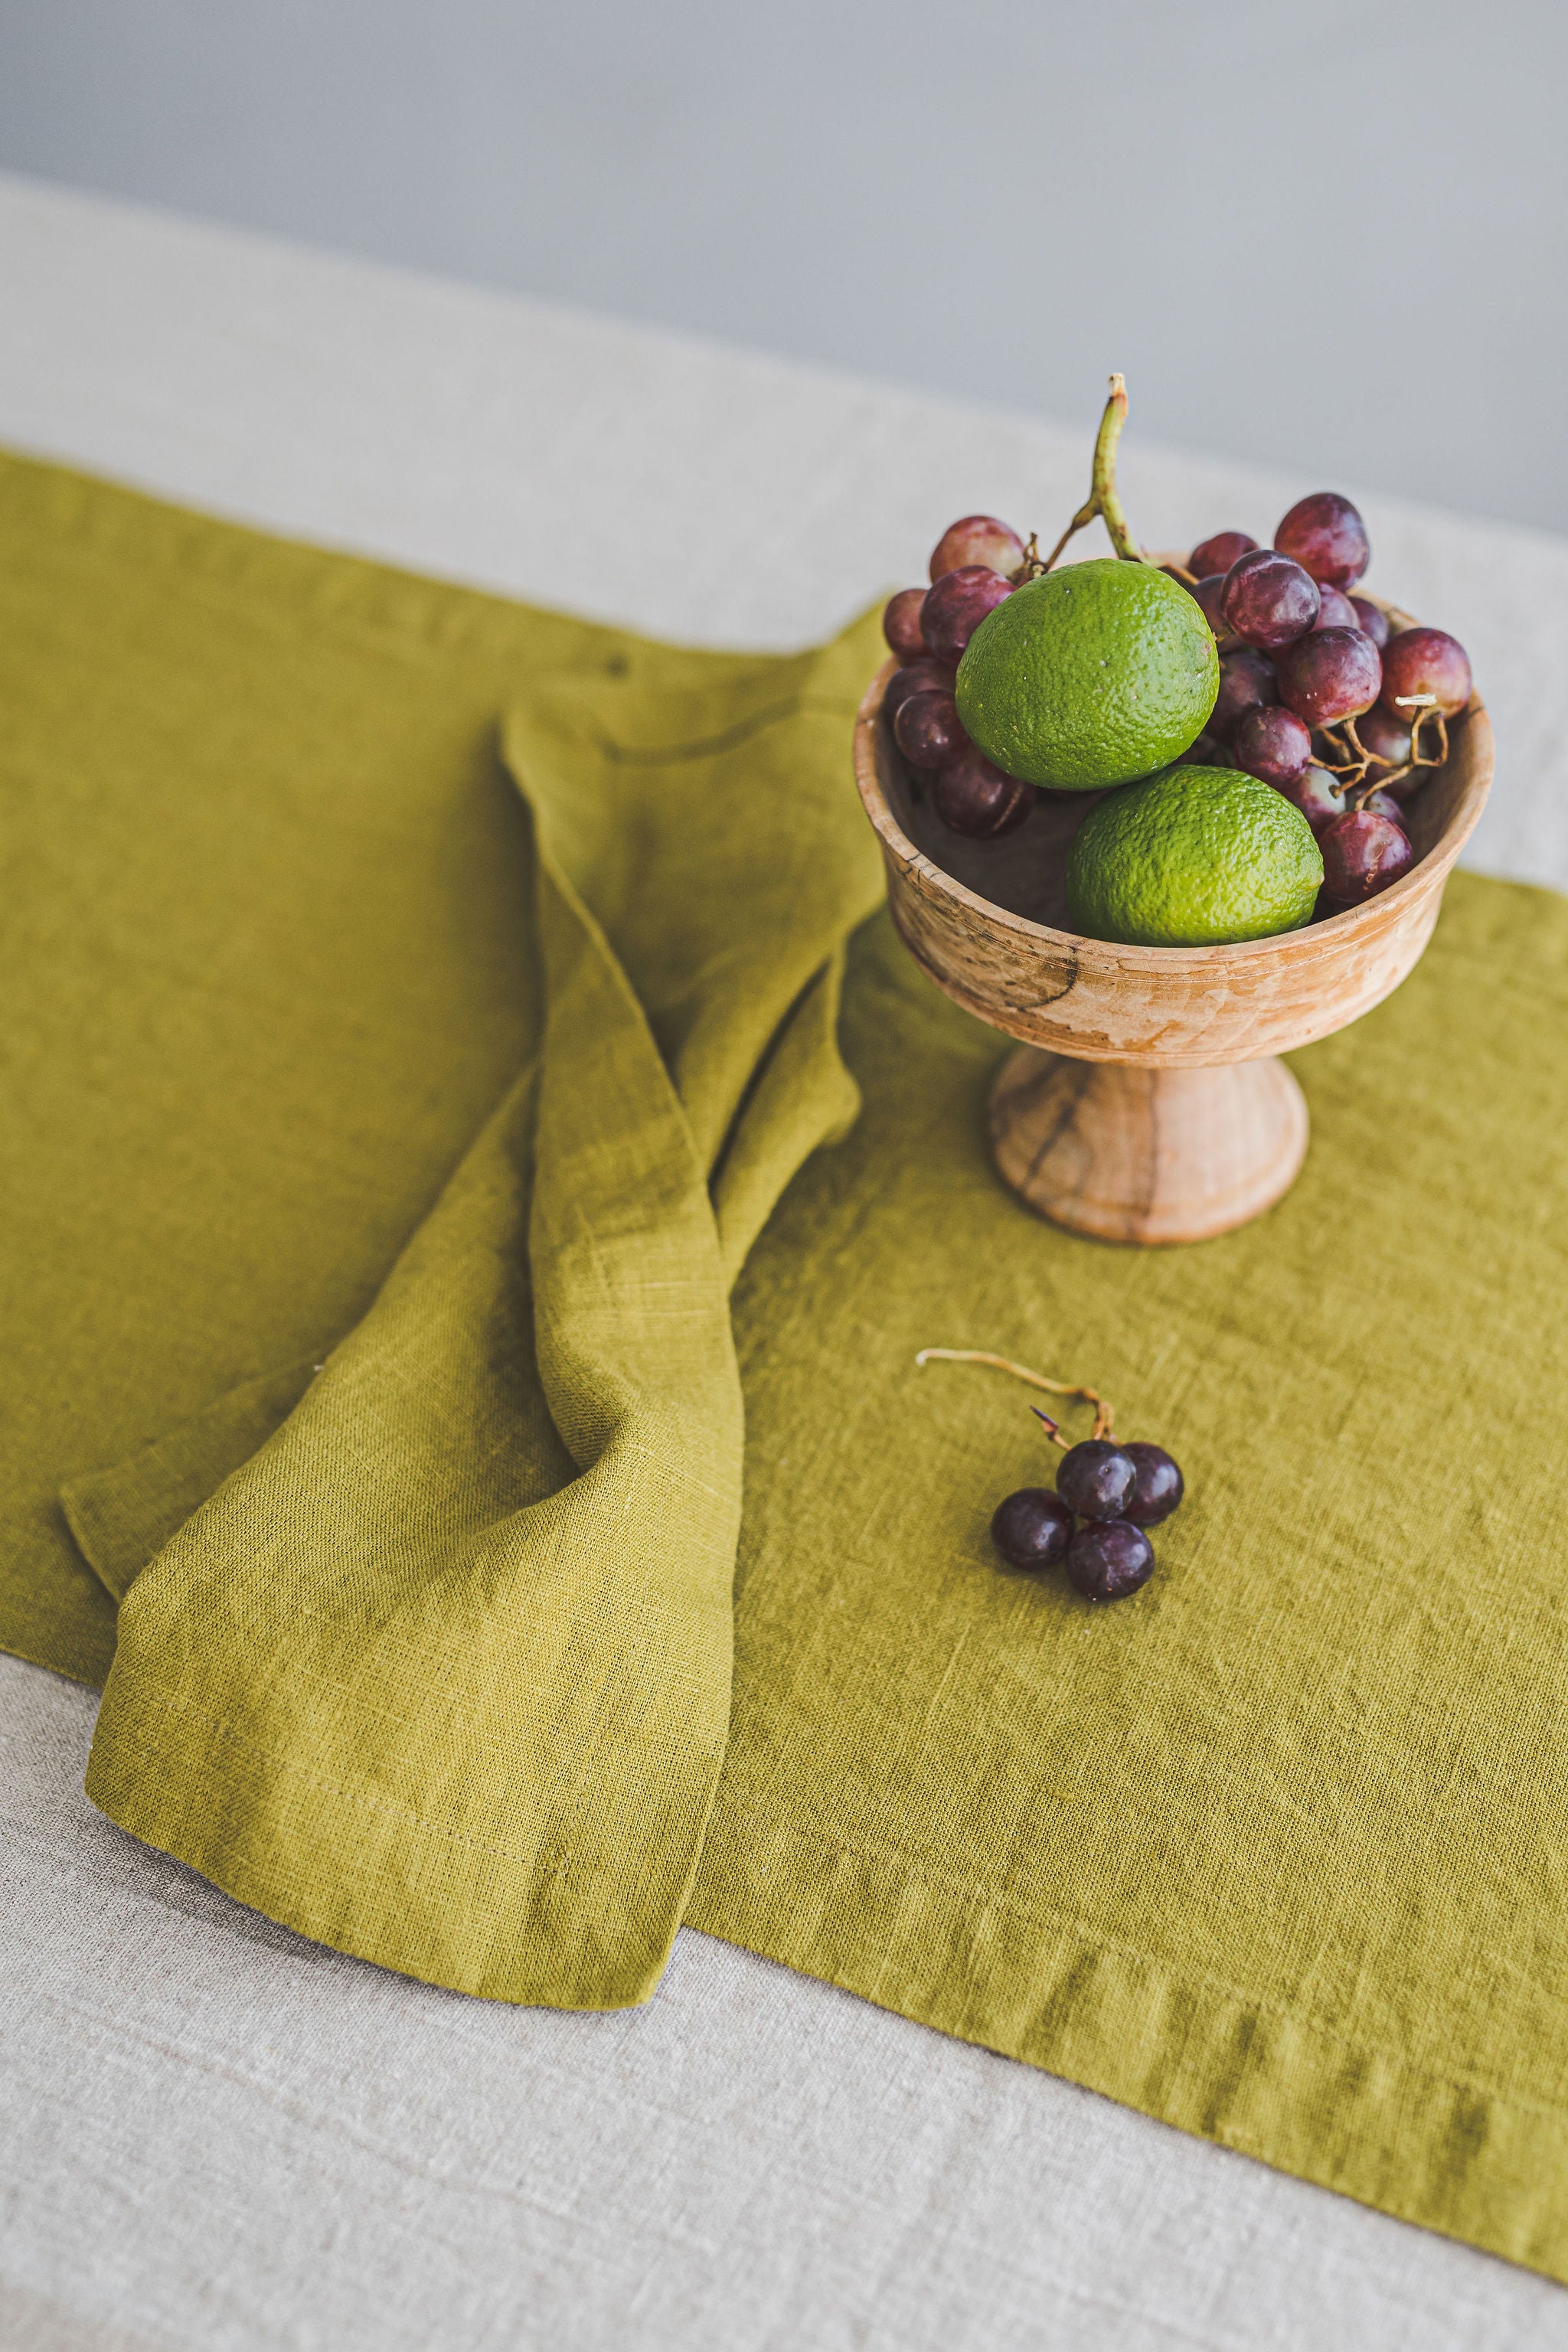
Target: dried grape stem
column 1104, row 1413
column 1351, row 767
column 1103, row 499
column 1366, row 774
column 1429, row 710
column 1031, row 567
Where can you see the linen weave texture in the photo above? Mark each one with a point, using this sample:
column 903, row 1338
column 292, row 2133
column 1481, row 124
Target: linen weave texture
column 435, row 1198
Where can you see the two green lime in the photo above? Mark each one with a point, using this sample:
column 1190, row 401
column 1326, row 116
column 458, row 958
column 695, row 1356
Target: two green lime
column 1101, row 674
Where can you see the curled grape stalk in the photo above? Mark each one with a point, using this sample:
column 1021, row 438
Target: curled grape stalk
column 1103, row 499
column 1104, row 1414
column 1359, row 772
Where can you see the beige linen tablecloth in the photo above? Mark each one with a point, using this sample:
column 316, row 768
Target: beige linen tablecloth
column 1047, row 2292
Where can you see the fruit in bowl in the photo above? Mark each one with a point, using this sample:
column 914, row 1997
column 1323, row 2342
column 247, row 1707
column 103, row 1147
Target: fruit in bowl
column 1176, row 691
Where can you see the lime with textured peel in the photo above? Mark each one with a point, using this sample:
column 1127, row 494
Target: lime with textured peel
column 1192, row 857
column 1089, row 677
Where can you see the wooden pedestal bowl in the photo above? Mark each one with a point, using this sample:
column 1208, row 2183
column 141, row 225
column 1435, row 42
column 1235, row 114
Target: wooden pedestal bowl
column 1146, row 1102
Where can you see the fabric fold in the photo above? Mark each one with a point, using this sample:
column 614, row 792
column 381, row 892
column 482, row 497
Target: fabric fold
column 315, row 1052
column 440, row 1674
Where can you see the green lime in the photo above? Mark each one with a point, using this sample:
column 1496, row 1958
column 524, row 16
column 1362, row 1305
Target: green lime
column 1192, row 857
column 1089, row 677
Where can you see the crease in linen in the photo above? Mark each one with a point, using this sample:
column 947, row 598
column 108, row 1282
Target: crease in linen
column 409, row 1176
column 466, row 1616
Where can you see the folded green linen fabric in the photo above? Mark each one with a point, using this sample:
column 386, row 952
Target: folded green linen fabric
column 426, row 1657
column 441, row 1673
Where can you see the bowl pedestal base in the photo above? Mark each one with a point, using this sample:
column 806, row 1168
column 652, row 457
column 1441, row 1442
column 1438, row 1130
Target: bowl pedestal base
column 1132, row 1153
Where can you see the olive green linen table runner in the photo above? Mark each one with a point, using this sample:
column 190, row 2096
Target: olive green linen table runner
column 421, row 1017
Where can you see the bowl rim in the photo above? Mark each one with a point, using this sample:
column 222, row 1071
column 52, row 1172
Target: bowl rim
column 1376, row 914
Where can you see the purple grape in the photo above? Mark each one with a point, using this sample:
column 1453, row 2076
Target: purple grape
column 1332, row 674
column 926, row 677
column 1030, row 1529
column 1335, row 610
column 1219, row 553
column 1109, row 1558
column 902, row 623
column 1424, row 661
column 1158, row 1488
column 1327, row 537
column 1390, row 743
column 1208, row 751
column 1209, row 593
column 928, row 730
column 1269, row 601
column 1316, row 793
column 1272, row 743
column 1381, row 804
column 1247, row 682
column 974, row 798
column 1362, row 856
column 957, row 603
column 1095, row 1478
column 1384, row 736
column 1373, row 619
column 977, row 539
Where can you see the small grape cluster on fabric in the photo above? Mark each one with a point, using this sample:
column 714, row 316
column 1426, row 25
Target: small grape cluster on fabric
column 1095, row 1524
column 1107, row 1497
column 1319, row 695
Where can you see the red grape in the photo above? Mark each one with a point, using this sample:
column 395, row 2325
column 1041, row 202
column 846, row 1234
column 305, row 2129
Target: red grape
column 1246, row 681
column 926, row 677
column 1272, row 743
column 1335, row 610
column 1268, row 600
column 1384, row 805
column 1316, row 793
column 1362, row 856
column 1219, row 553
column 1327, row 537
column 1384, row 736
column 927, row 729
column 1424, row 662
column 1209, row 593
column 1329, row 676
column 902, row 623
column 1389, row 741
column 1108, row 1558
column 972, row 797
column 1208, row 751
column 956, row 605
column 1373, row 619
column 977, row 539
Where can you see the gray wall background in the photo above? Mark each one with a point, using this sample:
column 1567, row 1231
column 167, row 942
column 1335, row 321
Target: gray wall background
column 1327, row 235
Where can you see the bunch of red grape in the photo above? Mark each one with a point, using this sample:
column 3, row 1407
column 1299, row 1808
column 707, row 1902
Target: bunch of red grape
column 1317, row 695
column 1115, row 1493
column 974, row 564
